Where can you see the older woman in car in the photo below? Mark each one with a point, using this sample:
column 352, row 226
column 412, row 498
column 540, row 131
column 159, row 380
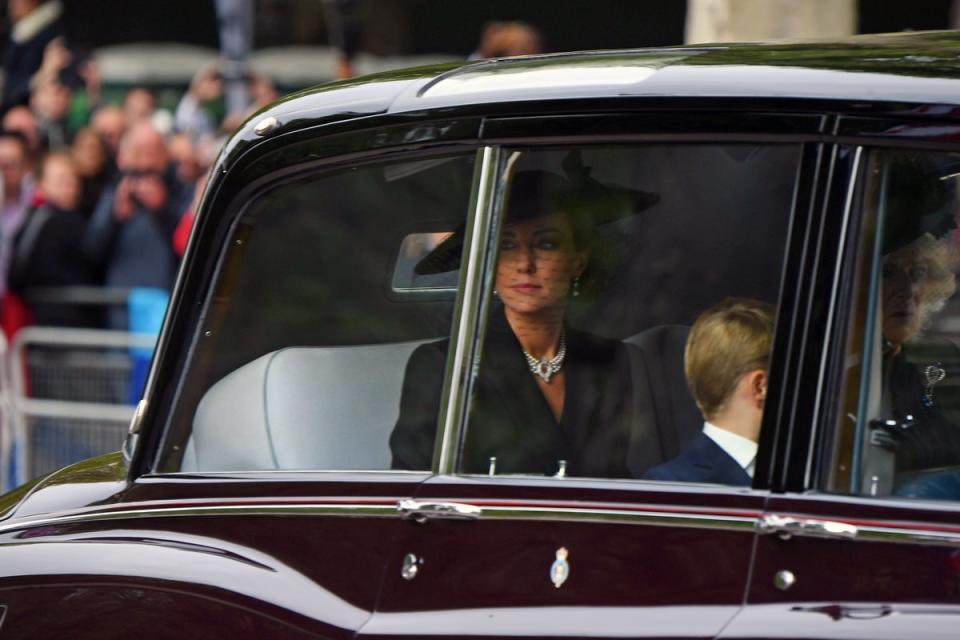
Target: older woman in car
column 917, row 279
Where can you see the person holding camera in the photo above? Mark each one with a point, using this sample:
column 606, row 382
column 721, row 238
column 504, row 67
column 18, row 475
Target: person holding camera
column 130, row 233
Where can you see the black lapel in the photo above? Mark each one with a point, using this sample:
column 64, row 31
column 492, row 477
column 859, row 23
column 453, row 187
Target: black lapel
column 582, row 398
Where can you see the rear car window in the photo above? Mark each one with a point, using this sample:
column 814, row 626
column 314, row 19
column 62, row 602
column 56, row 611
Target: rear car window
column 606, row 257
column 308, row 331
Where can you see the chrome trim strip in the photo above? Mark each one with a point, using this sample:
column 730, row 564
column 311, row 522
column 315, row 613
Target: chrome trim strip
column 624, row 516
column 645, row 515
column 390, row 509
column 862, row 531
column 831, row 311
column 456, row 393
column 272, row 474
column 908, row 536
column 216, row 510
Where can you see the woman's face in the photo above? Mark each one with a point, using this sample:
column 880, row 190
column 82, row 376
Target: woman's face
column 537, row 263
column 60, row 183
column 904, row 276
column 89, row 153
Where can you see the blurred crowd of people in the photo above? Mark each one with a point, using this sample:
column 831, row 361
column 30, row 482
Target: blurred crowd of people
column 95, row 193
column 101, row 193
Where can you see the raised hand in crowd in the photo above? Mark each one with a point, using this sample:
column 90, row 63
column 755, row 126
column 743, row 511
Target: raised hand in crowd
column 123, row 204
column 148, row 190
column 56, row 56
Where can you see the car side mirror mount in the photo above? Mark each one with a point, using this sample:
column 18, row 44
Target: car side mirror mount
column 133, row 432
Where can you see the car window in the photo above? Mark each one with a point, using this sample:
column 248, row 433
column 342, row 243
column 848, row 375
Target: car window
column 607, row 256
column 314, row 315
column 897, row 432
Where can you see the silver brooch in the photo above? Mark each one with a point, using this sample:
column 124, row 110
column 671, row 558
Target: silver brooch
column 932, row 375
column 546, row 367
column 560, row 569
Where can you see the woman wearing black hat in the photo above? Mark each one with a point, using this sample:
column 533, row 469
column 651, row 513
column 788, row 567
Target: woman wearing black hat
column 549, row 399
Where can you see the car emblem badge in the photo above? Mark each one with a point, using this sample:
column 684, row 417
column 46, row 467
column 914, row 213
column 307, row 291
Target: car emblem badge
column 560, row 569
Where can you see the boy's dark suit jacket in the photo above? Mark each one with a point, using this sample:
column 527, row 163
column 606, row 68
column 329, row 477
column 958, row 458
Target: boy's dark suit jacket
column 510, row 418
column 703, row 461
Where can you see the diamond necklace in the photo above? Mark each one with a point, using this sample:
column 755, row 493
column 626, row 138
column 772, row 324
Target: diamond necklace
column 546, row 367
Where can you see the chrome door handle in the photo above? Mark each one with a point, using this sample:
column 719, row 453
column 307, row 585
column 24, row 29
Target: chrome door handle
column 423, row 511
column 786, row 526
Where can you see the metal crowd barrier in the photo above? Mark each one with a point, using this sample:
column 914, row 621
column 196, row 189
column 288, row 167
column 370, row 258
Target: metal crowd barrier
column 6, row 432
column 69, row 394
column 67, row 397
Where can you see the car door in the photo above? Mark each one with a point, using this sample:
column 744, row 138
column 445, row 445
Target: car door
column 863, row 540
column 266, row 505
column 489, row 549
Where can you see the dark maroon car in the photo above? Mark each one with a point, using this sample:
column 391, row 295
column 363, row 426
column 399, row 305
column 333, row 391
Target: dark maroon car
column 261, row 495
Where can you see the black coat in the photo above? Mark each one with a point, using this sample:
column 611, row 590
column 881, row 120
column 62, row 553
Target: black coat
column 510, row 417
column 21, row 60
column 47, row 253
column 933, row 440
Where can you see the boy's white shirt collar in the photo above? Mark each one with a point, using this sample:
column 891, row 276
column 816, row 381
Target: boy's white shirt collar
column 743, row 450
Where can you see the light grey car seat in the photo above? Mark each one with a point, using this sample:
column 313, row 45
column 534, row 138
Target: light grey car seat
column 302, row 408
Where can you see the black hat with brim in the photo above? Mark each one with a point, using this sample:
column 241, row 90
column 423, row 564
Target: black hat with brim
column 920, row 199
column 534, row 194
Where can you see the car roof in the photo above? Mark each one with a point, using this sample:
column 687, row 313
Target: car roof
column 914, row 71
column 902, row 67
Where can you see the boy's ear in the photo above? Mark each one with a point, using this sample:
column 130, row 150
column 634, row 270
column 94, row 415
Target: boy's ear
column 757, row 383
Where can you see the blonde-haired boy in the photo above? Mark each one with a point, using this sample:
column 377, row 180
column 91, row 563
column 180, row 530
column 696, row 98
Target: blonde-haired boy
column 726, row 367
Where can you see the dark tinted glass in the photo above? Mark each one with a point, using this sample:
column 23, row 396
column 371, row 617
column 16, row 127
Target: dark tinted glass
column 898, row 432
column 301, row 360
column 607, row 255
